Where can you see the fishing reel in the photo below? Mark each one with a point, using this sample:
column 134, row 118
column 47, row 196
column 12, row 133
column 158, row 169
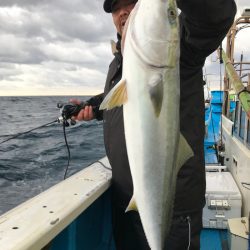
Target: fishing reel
column 68, row 110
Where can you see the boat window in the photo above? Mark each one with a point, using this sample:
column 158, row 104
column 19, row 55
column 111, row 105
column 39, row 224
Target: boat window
column 248, row 133
column 242, row 123
column 236, row 122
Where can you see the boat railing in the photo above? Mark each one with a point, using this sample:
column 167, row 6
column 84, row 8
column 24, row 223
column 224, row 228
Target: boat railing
column 240, row 90
column 36, row 222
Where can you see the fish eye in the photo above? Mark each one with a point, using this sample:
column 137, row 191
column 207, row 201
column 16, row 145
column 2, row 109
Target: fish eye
column 172, row 14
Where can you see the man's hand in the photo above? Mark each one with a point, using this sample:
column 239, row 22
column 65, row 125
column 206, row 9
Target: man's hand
column 85, row 114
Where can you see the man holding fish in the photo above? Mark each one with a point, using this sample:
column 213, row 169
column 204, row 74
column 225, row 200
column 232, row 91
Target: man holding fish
column 153, row 113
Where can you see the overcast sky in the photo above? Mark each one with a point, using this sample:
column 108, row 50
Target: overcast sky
column 58, row 47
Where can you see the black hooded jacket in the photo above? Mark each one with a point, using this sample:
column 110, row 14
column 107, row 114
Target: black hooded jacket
column 203, row 25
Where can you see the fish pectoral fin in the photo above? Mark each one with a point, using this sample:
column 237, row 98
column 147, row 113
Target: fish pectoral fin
column 113, row 47
column 132, row 205
column 116, row 97
column 184, row 152
column 155, row 89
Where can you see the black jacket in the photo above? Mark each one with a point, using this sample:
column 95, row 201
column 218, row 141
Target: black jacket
column 203, row 25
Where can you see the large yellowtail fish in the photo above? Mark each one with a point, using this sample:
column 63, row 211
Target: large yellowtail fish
column 149, row 92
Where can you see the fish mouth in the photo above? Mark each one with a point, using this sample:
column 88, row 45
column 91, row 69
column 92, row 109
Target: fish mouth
column 122, row 24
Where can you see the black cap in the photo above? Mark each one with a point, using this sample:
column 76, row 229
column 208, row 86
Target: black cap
column 107, row 5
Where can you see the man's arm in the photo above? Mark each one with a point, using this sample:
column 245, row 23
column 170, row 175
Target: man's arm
column 204, row 24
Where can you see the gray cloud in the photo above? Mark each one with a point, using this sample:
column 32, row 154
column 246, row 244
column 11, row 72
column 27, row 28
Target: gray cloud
column 57, row 22
column 55, row 43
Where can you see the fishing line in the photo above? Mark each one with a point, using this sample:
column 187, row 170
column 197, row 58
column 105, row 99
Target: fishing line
column 246, row 185
column 44, row 125
column 189, row 232
column 67, row 111
column 215, row 143
column 26, row 132
column 104, row 165
column 221, row 62
column 68, row 150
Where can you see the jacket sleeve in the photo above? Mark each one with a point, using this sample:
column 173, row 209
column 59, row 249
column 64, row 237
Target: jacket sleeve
column 203, row 25
column 95, row 102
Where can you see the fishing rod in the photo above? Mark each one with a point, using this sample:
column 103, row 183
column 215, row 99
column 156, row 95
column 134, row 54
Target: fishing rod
column 67, row 110
column 26, row 132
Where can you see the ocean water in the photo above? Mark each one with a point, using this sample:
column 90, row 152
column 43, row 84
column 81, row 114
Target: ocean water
column 35, row 161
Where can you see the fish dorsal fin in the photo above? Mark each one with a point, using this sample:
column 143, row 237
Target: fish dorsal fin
column 132, row 205
column 155, row 89
column 116, row 97
column 184, row 152
column 113, row 47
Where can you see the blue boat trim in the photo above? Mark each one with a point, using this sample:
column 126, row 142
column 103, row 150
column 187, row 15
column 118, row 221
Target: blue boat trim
column 91, row 230
column 214, row 239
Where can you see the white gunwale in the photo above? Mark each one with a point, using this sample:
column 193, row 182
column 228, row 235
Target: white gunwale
column 37, row 221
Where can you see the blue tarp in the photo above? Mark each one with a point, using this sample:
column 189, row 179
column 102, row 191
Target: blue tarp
column 212, row 120
column 213, row 123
